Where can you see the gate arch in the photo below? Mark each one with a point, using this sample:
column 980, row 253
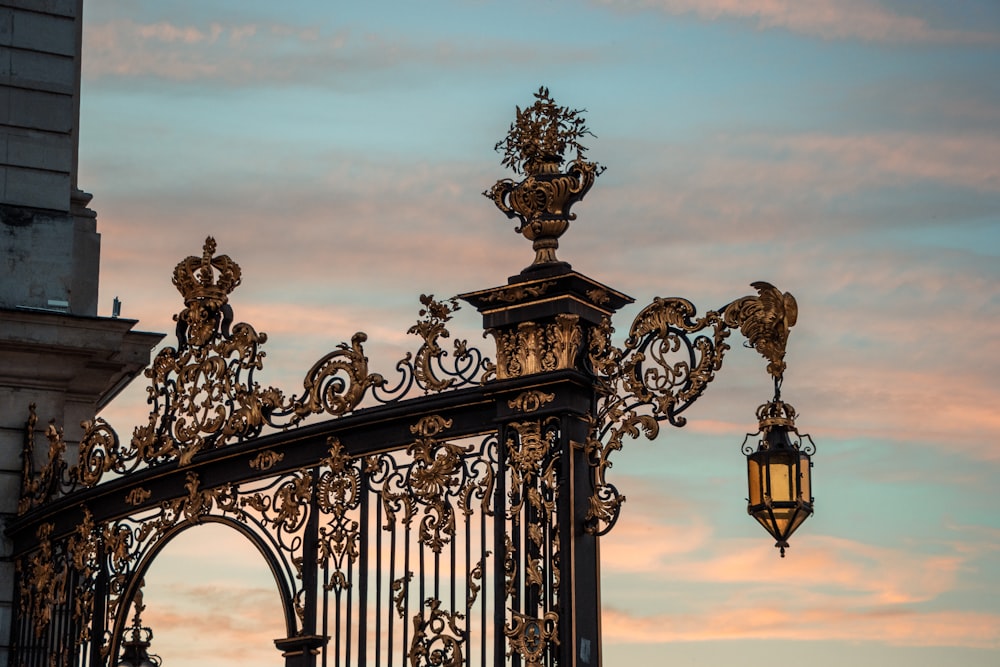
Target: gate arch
column 147, row 559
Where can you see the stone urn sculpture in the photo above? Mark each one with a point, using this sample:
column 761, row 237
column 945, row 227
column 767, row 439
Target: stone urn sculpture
column 535, row 146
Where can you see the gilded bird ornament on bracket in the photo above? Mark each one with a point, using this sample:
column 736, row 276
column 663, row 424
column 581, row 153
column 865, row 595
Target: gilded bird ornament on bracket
column 765, row 321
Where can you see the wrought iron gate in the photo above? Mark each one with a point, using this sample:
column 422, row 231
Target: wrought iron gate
column 445, row 515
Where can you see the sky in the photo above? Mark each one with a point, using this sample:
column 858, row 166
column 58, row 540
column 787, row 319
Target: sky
column 847, row 151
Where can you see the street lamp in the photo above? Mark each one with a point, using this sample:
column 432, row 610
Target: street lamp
column 670, row 355
column 779, row 471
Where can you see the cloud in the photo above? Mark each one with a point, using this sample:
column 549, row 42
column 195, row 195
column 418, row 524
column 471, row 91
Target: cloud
column 829, row 588
column 867, row 575
column 958, row 160
column 280, row 54
column 864, row 20
column 899, row 628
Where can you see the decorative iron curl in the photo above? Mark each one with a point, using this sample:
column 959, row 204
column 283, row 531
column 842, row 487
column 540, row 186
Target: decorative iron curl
column 604, row 506
column 100, row 453
column 428, row 369
column 660, row 367
column 336, row 383
column 437, row 639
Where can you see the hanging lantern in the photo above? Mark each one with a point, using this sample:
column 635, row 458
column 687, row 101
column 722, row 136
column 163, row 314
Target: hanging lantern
column 779, row 472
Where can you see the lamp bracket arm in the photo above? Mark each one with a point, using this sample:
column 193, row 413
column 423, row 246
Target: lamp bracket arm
column 665, row 364
column 662, row 364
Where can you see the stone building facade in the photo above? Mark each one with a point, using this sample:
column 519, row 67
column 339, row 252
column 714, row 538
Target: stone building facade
column 56, row 353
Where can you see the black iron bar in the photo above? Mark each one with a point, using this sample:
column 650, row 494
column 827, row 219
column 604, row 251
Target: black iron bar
column 363, row 572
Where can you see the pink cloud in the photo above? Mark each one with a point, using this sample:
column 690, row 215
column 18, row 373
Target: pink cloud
column 169, row 33
column 964, row 160
column 862, row 574
column 899, row 628
column 828, row 19
column 828, row 589
column 251, row 54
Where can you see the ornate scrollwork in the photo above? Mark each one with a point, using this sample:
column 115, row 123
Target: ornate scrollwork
column 435, row 314
column 529, row 637
column 400, row 587
column 475, row 574
column 82, row 548
column 437, row 639
column 39, row 488
column 288, row 506
column 428, row 369
column 519, row 292
column 137, row 496
column 42, row 582
column 436, row 474
column 266, row 460
column 100, row 452
column 532, row 462
column 533, row 458
column 203, row 394
column 529, row 401
column 338, row 491
column 200, row 399
column 336, row 383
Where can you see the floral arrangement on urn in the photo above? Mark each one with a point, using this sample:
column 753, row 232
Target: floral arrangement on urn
column 536, row 146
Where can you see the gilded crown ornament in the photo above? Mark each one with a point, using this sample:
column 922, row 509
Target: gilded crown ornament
column 195, row 277
column 536, row 146
column 205, row 283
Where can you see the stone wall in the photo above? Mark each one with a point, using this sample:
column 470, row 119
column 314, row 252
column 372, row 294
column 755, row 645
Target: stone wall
column 48, row 237
column 55, row 351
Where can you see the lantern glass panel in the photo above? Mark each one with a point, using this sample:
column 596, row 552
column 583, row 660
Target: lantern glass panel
column 754, row 480
column 781, row 472
column 783, row 518
column 805, row 481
